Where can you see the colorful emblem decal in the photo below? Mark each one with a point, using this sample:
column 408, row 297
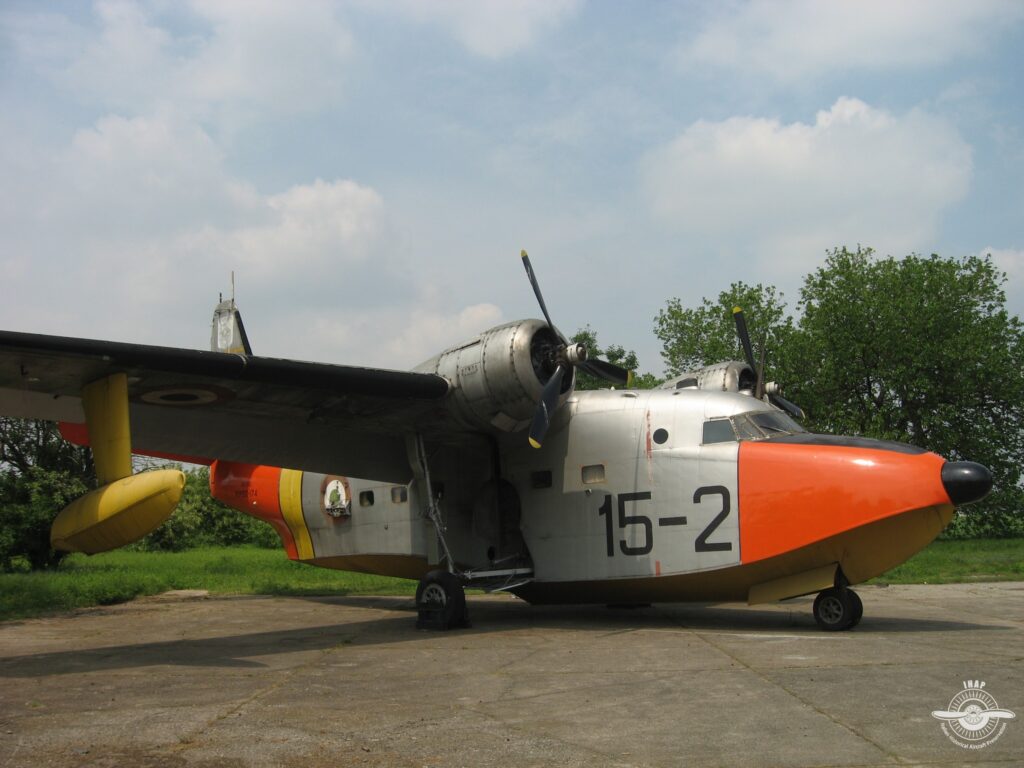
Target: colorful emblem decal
column 335, row 497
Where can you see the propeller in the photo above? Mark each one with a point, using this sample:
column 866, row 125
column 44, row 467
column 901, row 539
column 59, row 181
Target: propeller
column 761, row 387
column 563, row 356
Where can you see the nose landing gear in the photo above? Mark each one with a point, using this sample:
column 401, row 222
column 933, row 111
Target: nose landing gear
column 838, row 608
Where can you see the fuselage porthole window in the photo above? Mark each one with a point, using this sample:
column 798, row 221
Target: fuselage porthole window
column 399, row 494
column 366, row 498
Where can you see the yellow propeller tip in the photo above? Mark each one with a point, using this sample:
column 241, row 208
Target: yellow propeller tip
column 522, row 254
column 736, row 310
column 534, row 443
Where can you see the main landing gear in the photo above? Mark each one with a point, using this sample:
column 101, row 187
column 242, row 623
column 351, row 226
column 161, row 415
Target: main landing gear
column 837, row 608
column 441, row 602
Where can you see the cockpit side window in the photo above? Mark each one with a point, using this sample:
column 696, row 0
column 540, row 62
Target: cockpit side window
column 718, row 431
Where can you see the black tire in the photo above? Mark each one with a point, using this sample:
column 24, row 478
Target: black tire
column 834, row 610
column 441, row 601
column 857, row 606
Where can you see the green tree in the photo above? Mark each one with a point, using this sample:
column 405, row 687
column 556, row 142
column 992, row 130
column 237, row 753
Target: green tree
column 694, row 337
column 201, row 520
column 40, row 473
column 920, row 350
column 613, row 354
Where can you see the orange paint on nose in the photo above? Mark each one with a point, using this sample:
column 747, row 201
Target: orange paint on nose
column 795, row 495
column 255, row 490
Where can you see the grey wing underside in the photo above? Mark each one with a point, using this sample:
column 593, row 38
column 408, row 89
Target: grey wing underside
column 213, row 405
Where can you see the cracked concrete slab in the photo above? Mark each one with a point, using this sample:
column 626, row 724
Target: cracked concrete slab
column 183, row 680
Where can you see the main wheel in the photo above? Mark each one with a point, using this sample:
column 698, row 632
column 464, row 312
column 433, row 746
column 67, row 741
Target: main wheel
column 441, row 602
column 858, row 607
column 834, row 610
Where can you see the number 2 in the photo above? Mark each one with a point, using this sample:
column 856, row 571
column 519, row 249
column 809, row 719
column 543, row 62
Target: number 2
column 702, row 544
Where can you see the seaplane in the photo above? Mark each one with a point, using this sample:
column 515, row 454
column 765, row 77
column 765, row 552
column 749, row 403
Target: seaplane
column 484, row 468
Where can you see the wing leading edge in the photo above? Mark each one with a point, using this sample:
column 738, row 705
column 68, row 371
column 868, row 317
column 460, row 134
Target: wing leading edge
column 288, row 413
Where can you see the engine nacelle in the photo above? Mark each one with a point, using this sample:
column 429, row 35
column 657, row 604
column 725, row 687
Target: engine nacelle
column 731, row 376
column 497, row 377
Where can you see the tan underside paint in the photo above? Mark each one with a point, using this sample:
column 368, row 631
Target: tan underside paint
column 792, row 586
column 863, row 553
column 402, row 566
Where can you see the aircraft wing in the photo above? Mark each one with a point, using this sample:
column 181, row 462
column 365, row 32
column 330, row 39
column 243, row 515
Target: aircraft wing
column 299, row 415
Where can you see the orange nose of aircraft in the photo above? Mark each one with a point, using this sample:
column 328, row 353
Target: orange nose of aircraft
column 866, row 504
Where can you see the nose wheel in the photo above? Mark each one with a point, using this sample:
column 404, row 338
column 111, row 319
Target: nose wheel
column 838, row 608
column 441, row 602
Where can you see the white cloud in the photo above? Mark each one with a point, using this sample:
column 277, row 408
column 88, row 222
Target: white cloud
column 147, row 174
column 141, row 218
column 308, row 227
column 229, row 60
column 488, row 28
column 794, row 39
column 269, row 56
column 428, row 330
column 856, row 174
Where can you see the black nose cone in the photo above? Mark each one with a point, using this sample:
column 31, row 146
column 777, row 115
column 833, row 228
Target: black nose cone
column 966, row 481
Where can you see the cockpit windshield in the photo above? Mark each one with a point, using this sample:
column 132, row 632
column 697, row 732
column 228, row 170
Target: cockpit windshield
column 753, row 425
column 775, row 423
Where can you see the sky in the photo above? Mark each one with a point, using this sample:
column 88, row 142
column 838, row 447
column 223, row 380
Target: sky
column 370, row 170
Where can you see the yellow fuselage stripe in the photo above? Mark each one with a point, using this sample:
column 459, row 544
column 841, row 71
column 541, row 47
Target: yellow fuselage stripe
column 291, row 511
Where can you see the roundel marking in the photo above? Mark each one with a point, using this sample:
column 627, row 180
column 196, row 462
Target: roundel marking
column 184, row 396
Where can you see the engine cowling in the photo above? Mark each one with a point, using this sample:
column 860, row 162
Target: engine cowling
column 732, row 376
column 497, row 378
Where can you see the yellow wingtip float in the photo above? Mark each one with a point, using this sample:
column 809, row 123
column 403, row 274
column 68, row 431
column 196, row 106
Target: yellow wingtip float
column 118, row 513
column 126, row 507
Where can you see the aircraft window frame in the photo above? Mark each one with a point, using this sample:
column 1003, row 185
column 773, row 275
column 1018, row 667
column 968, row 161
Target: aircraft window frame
column 723, row 436
column 592, row 474
column 399, row 494
column 747, row 425
column 366, row 498
column 783, row 424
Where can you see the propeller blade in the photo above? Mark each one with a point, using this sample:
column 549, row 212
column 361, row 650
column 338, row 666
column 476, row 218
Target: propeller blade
column 537, row 293
column 792, row 409
column 602, row 369
column 759, row 387
column 741, row 331
column 546, row 407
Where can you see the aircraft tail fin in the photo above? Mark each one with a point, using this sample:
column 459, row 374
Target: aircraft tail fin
column 228, row 333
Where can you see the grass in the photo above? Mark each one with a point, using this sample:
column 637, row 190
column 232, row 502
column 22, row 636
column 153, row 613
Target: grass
column 951, row 562
column 119, row 576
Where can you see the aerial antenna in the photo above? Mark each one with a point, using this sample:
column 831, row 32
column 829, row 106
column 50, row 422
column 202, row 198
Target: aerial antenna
column 232, row 287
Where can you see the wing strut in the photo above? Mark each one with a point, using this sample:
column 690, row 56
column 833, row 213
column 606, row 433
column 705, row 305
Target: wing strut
column 433, row 513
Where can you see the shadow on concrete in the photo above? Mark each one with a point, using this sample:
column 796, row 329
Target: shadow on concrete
column 488, row 616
